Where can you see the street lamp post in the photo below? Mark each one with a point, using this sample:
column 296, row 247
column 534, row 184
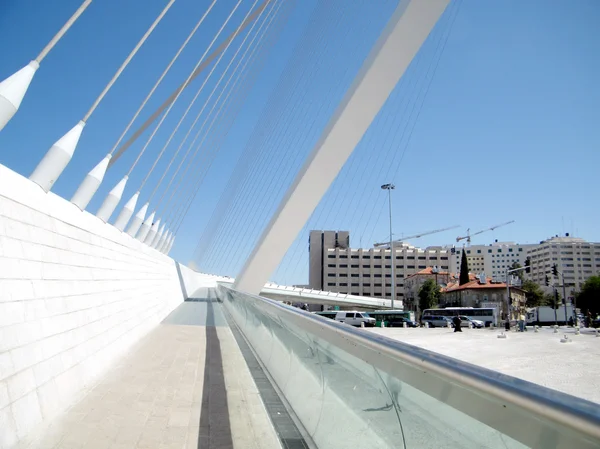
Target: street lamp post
column 389, row 188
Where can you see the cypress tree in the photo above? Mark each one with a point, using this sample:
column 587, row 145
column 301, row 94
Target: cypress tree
column 464, row 269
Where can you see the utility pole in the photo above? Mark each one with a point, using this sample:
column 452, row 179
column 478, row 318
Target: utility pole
column 389, row 188
column 508, row 272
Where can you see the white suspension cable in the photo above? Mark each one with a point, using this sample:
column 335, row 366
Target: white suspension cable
column 184, row 206
column 162, row 76
column 165, row 115
column 127, row 60
column 216, row 86
column 62, row 31
column 217, row 101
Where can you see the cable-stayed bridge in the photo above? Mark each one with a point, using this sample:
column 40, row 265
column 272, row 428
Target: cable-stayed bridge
column 106, row 341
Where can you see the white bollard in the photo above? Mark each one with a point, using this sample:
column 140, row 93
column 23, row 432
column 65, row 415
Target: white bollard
column 383, row 324
column 404, row 325
column 596, row 331
column 470, row 325
column 502, row 335
column 555, row 329
column 362, row 324
column 536, row 328
column 577, row 330
column 565, row 339
column 449, row 325
column 427, row 324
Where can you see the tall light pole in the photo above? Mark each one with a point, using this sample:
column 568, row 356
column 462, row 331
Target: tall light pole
column 389, row 188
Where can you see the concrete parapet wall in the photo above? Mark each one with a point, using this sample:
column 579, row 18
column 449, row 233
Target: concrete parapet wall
column 75, row 293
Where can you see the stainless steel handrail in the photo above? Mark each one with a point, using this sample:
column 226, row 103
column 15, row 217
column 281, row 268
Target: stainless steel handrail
column 519, row 409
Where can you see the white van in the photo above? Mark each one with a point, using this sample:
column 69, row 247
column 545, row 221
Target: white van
column 354, row 318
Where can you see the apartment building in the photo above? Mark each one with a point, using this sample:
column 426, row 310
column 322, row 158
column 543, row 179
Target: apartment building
column 493, row 259
column 413, row 283
column 576, row 258
column 335, row 266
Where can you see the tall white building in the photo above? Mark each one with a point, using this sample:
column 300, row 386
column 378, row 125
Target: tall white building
column 576, row 258
column 493, row 259
column 334, row 266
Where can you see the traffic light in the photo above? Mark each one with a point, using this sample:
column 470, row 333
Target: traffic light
column 527, row 265
column 547, row 281
column 554, row 270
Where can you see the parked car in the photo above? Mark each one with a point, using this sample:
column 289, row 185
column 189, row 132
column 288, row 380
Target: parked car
column 436, row 320
column 354, row 318
column 465, row 320
column 399, row 322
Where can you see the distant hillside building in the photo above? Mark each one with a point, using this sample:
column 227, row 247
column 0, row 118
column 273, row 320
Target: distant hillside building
column 493, row 260
column 576, row 258
column 335, row 266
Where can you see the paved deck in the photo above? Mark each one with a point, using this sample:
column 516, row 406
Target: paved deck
column 174, row 389
column 537, row 357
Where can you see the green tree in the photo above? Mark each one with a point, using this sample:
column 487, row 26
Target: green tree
column 589, row 296
column 464, row 269
column 519, row 274
column 429, row 294
column 533, row 292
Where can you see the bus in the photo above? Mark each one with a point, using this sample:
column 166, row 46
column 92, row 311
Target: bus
column 489, row 315
column 392, row 317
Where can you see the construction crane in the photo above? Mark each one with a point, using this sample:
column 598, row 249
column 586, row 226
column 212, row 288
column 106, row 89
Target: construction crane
column 416, row 236
column 469, row 235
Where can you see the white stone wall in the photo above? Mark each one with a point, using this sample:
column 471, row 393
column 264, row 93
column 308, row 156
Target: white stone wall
column 75, row 293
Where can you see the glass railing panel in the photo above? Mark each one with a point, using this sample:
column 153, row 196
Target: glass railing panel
column 350, row 388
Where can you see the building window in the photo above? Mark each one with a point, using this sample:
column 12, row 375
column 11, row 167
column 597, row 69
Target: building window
column 388, row 275
column 366, row 266
column 376, row 266
column 343, row 275
column 343, row 256
column 444, row 267
column 366, row 284
column 410, row 257
column 410, row 267
column 444, row 258
column 343, row 265
column 355, row 293
column 377, row 275
column 331, row 256
column 354, row 275
column 387, row 257
column 489, row 251
column 354, row 256
column 331, row 284
column 354, row 284
column 343, row 284
column 468, row 251
column 422, row 266
column 388, row 266
column 377, row 284
column 331, row 265
column 499, row 250
column 366, row 256
column 366, row 275
column 376, row 257
column 421, row 257
column 510, row 250
column 331, row 275
column 478, row 251
column 399, row 257
column 354, row 266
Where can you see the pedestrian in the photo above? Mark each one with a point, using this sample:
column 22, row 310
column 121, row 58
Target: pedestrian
column 456, row 321
column 521, row 322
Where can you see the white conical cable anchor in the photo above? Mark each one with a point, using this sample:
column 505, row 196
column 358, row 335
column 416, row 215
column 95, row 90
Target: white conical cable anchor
column 152, row 234
column 145, row 228
column 159, row 234
column 111, row 201
column 87, row 189
column 12, row 91
column 127, row 212
column 57, row 158
column 165, row 242
column 171, row 243
column 161, row 243
column 137, row 221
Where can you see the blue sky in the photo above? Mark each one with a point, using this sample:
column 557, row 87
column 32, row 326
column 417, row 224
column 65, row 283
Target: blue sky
column 495, row 120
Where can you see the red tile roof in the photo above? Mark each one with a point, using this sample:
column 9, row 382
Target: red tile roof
column 475, row 284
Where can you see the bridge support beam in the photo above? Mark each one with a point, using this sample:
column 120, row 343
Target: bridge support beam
column 398, row 44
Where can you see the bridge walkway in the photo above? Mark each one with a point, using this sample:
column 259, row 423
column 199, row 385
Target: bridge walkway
column 184, row 385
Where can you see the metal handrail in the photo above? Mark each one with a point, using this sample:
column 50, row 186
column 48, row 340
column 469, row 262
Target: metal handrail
column 534, row 408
